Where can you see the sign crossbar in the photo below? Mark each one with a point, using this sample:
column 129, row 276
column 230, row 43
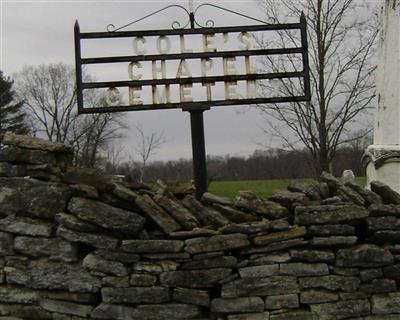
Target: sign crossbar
column 177, row 32
column 195, row 55
column 258, row 76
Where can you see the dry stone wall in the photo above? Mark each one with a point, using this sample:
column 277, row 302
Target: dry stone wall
column 75, row 244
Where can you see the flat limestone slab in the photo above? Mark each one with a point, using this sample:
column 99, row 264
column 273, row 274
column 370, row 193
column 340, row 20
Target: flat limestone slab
column 106, row 216
column 26, row 142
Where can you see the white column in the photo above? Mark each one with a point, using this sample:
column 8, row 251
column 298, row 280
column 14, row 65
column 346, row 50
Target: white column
column 384, row 155
column 387, row 119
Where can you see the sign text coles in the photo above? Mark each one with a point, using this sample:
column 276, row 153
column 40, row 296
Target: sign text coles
column 187, row 68
column 199, row 69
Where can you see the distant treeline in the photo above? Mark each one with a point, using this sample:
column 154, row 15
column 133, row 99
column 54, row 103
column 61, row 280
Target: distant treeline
column 269, row 164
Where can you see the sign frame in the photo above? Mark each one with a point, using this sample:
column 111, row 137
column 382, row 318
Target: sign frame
column 80, row 62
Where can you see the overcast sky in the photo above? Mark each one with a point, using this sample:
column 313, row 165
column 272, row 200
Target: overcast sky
column 41, row 32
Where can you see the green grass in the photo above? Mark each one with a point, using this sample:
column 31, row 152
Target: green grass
column 261, row 188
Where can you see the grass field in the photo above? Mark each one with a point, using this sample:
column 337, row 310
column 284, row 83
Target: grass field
column 261, row 188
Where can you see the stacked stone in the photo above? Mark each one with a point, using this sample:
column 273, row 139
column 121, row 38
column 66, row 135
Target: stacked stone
column 384, row 220
column 383, row 226
column 76, row 244
column 40, row 277
column 22, row 156
column 317, row 268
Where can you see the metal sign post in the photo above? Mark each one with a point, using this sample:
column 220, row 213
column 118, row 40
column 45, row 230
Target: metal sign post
column 198, row 140
column 221, row 71
column 199, row 152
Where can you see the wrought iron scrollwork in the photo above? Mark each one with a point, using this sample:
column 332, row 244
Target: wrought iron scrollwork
column 175, row 24
column 178, row 25
column 210, row 23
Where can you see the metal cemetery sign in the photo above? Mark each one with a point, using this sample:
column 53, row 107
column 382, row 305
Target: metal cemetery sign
column 191, row 68
column 183, row 61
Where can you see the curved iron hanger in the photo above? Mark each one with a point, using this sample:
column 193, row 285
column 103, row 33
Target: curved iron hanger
column 210, row 23
column 177, row 25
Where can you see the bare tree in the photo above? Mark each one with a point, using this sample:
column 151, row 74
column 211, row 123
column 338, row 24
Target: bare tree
column 96, row 136
column 49, row 93
column 114, row 157
column 146, row 146
column 50, row 97
column 342, row 38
